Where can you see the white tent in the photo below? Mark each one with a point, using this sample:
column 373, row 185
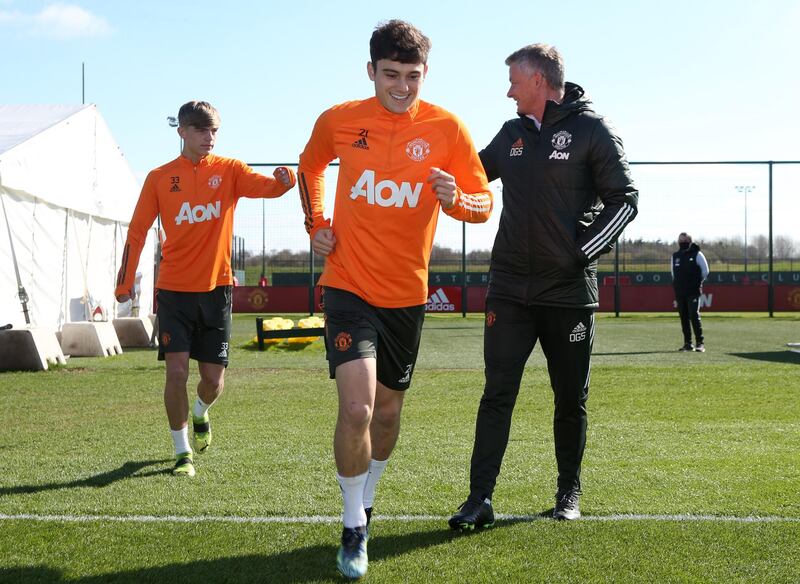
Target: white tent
column 68, row 194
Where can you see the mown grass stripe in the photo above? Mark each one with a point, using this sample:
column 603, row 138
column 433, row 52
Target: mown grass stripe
column 310, row 519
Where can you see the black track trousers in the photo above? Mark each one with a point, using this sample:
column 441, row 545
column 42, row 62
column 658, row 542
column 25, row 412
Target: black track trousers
column 510, row 334
column 689, row 311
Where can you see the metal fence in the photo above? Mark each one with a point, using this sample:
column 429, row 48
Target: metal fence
column 743, row 215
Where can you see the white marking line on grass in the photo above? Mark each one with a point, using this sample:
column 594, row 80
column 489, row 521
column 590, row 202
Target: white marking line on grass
column 401, row 518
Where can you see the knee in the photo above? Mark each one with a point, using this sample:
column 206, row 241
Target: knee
column 177, row 376
column 213, row 383
column 387, row 415
column 356, row 414
column 500, row 395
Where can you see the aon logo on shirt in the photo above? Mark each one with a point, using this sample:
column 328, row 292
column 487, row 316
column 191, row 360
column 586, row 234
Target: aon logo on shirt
column 386, row 193
column 198, row 213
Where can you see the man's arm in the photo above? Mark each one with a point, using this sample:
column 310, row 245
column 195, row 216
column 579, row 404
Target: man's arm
column 488, row 158
column 703, row 264
column 612, row 179
column 144, row 214
column 318, row 153
column 254, row 185
column 462, row 187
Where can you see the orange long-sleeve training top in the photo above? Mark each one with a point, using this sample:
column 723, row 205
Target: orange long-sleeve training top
column 385, row 213
column 196, row 203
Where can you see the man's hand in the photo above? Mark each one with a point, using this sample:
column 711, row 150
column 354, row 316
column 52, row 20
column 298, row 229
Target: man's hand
column 284, row 176
column 444, row 187
column 125, row 297
column 323, row 242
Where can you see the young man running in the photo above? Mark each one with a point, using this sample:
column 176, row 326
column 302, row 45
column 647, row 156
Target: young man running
column 401, row 160
column 195, row 195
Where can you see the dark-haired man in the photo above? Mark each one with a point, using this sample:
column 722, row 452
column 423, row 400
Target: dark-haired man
column 401, row 161
column 567, row 195
column 195, row 195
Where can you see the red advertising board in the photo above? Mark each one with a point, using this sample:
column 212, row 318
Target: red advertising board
column 447, row 299
column 787, row 298
column 721, row 298
column 444, row 299
column 273, row 299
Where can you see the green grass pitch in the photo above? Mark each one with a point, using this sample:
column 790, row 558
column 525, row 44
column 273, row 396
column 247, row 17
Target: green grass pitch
column 691, row 473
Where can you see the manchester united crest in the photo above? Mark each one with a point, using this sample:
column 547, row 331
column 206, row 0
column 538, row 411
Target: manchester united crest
column 561, row 140
column 343, row 341
column 418, row 149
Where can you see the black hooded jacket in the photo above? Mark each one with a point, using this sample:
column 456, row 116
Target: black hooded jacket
column 567, row 195
column 687, row 277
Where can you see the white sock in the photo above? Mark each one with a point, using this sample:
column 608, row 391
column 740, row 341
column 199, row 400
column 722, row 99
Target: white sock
column 181, row 440
column 200, row 408
column 352, row 495
column 376, row 468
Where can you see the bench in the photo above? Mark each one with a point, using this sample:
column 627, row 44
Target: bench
column 285, row 333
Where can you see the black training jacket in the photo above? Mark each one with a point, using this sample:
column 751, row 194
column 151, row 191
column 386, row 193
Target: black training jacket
column 687, row 277
column 567, row 195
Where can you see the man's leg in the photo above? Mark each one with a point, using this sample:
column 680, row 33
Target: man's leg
column 683, row 311
column 694, row 318
column 209, row 388
column 508, row 339
column 509, row 336
column 350, row 343
column 355, row 382
column 383, row 430
column 567, row 336
column 177, row 406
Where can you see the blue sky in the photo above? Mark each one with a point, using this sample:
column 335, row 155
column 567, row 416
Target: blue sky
column 680, row 80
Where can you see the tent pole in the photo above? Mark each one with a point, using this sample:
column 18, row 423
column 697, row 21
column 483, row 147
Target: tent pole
column 23, row 295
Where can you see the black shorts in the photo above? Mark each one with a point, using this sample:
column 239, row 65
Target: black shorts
column 355, row 329
column 197, row 322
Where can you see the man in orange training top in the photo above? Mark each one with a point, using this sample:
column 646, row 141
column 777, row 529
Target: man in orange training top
column 195, row 195
column 401, row 160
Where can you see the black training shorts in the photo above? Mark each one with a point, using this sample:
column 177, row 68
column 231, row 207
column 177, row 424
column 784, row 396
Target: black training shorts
column 355, row 329
column 197, row 322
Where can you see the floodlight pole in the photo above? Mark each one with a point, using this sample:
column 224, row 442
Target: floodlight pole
column 263, row 242
column 771, row 290
column 745, row 189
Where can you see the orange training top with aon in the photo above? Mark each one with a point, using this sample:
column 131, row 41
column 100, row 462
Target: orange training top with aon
column 196, row 203
column 385, row 213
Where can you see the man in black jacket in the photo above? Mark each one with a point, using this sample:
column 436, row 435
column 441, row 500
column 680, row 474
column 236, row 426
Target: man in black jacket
column 567, row 196
column 689, row 270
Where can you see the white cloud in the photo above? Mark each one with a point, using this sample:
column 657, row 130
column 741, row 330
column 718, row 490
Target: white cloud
column 58, row 21
column 10, row 17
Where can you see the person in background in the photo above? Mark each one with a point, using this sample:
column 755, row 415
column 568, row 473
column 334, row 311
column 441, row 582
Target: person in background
column 689, row 271
column 195, row 195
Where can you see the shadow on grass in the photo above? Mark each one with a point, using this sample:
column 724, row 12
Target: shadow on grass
column 771, row 356
column 307, row 564
column 612, row 353
column 104, row 479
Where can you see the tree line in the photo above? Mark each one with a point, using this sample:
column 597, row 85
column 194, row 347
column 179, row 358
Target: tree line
column 634, row 251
